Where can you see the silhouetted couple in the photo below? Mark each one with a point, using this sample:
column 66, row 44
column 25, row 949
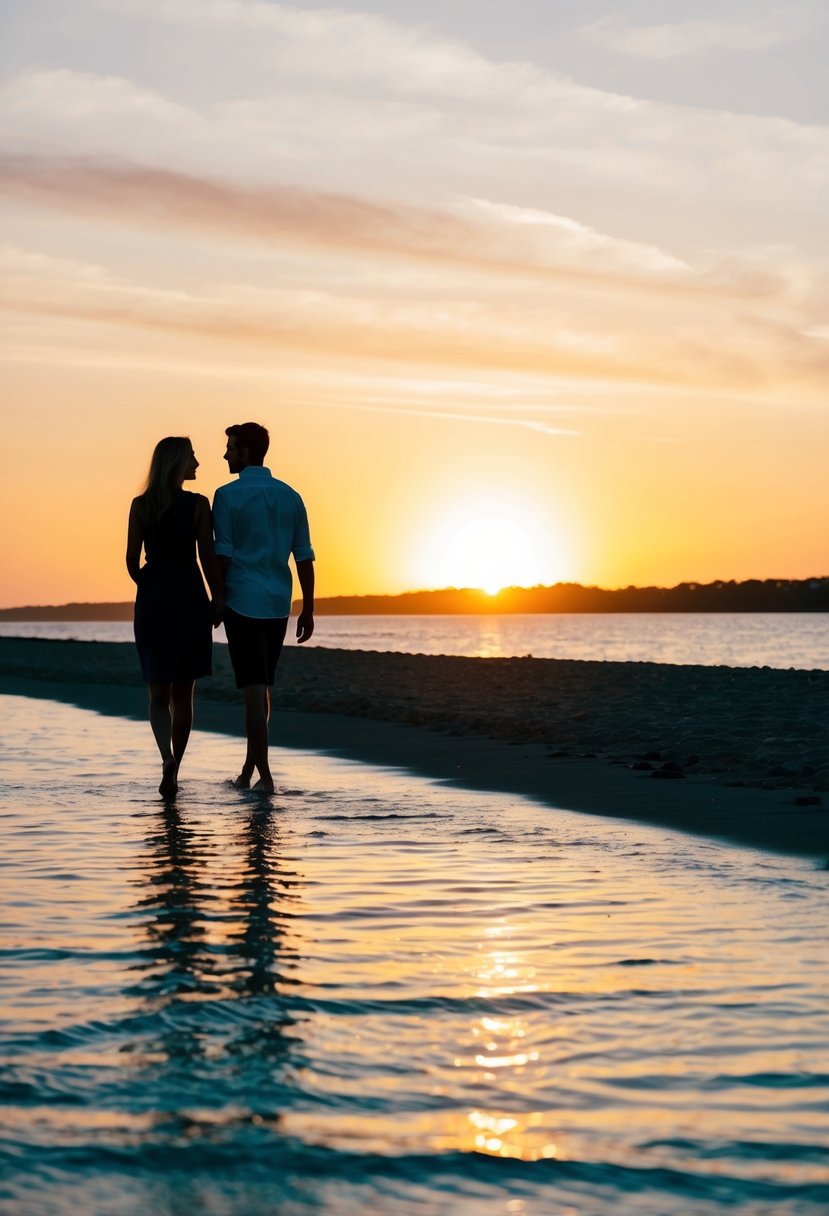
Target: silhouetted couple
column 258, row 523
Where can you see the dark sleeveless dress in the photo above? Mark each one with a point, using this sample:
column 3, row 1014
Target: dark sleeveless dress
column 173, row 618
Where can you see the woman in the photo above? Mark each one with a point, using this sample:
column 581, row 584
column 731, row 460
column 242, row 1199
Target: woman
column 173, row 617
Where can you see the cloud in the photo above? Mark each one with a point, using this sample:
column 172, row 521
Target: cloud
column 476, row 235
column 580, row 241
column 63, row 108
column 83, row 96
column 348, row 49
column 348, row 101
column 311, row 322
column 755, row 354
column 424, row 202
column 753, row 31
column 444, row 415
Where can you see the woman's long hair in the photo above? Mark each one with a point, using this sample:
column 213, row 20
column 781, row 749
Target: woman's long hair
column 167, row 468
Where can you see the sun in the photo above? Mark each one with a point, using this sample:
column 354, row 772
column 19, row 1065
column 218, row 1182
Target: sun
column 491, row 553
column 489, row 547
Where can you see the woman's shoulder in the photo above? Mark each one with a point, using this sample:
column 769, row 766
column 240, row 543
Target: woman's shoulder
column 198, row 502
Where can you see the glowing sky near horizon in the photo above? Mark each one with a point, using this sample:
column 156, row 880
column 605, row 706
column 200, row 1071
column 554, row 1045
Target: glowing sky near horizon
column 551, row 274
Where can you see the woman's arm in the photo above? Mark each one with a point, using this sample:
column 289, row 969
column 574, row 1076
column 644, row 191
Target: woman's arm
column 207, row 557
column 135, row 539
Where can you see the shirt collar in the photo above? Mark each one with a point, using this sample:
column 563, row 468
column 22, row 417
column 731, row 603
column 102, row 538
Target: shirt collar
column 255, row 470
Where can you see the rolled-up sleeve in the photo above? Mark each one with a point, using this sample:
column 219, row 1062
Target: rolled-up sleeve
column 301, row 546
column 222, row 527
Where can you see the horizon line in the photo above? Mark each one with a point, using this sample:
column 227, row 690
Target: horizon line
column 488, row 596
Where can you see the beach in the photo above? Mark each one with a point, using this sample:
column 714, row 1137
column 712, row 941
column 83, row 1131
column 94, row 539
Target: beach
column 737, row 753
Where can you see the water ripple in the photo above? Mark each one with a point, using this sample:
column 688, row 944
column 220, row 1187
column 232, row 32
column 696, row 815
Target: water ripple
column 380, row 994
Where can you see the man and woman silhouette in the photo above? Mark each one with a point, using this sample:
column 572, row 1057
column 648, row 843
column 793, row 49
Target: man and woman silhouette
column 243, row 545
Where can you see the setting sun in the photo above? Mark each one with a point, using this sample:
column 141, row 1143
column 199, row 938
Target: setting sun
column 490, row 547
column 490, row 553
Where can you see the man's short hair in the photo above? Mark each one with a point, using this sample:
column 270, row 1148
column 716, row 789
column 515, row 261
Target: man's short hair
column 252, row 436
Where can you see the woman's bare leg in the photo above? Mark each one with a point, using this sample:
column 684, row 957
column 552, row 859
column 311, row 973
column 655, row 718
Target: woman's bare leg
column 160, row 719
column 162, row 727
column 182, row 717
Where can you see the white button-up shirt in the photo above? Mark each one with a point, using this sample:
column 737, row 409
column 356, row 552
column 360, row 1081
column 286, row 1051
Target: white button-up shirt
column 259, row 522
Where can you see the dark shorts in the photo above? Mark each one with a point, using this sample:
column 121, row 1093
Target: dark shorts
column 255, row 645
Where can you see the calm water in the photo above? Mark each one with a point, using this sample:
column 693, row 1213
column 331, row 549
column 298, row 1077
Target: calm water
column 380, row 994
column 732, row 639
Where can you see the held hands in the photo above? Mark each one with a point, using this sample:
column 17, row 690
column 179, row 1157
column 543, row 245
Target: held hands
column 217, row 606
column 304, row 626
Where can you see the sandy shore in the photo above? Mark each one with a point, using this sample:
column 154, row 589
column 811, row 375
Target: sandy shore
column 741, row 753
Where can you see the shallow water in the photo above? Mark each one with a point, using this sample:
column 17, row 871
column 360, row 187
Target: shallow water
column 383, row 994
column 736, row 639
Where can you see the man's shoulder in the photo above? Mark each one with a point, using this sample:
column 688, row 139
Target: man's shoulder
column 241, row 487
column 283, row 487
column 279, row 489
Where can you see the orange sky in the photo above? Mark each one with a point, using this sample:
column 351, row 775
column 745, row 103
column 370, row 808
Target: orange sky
column 505, row 325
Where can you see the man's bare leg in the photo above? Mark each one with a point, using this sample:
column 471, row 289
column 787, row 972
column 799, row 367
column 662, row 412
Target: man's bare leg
column 257, row 714
column 162, row 727
column 242, row 782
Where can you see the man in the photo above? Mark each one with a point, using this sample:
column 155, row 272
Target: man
column 259, row 522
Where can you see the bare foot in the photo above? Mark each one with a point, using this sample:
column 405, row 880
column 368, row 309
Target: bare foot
column 169, row 779
column 242, row 782
column 264, row 786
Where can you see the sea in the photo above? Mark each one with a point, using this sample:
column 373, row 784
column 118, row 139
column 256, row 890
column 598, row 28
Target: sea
column 799, row 640
column 376, row 993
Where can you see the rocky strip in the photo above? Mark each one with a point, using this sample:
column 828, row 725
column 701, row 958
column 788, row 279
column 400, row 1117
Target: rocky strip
column 754, row 727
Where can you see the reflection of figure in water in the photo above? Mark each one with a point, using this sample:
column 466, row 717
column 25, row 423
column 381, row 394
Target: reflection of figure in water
column 173, row 617
column 259, row 523
column 218, row 939
column 176, row 930
column 260, row 943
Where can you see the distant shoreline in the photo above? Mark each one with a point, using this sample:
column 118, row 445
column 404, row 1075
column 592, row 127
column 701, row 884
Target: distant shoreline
column 740, row 753
column 752, row 595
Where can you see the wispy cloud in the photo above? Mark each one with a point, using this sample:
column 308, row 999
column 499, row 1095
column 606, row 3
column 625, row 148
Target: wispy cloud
column 346, row 101
column 415, row 200
column 582, row 242
column 476, row 235
column 307, row 321
column 756, row 354
column 446, row 415
column 750, row 29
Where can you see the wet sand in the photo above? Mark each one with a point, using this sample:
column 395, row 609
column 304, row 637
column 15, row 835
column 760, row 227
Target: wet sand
column 738, row 753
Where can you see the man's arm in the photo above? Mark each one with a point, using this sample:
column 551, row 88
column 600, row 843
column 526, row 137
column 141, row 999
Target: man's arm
column 303, row 552
column 207, row 556
column 305, row 621
column 222, row 529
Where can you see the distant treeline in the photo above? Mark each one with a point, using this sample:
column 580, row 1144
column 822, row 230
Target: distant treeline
column 753, row 595
column 69, row 612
